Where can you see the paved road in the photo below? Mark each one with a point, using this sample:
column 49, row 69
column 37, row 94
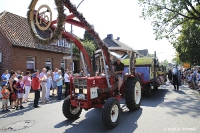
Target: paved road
column 166, row 111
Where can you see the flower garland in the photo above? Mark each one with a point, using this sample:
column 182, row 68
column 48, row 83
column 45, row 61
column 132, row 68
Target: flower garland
column 90, row 29
column 57, row 32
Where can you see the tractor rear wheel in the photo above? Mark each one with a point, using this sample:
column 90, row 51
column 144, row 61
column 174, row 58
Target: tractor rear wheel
column 111, row 113
column 133, row 93
column 147, row 90
column 69, row 111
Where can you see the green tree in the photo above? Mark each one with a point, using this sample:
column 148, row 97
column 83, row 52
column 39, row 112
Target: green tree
column 188, row 43
column 89, row 47
column 163, row 65
column 176, row 59
column 89, row 37
column 151, row 55
column 168, row 15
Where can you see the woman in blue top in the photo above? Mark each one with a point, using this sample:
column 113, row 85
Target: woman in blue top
column 59, row 82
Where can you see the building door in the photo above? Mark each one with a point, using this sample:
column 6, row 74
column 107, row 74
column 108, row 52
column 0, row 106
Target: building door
column 62, row 66
column 76, row 67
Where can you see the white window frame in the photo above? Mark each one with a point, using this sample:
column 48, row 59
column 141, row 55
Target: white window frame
column 1, row 56
column 61, row 42
column 48, row 62
column 62, row 63
column 30, row 61
column 67, row 45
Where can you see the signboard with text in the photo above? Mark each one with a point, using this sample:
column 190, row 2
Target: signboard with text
column 186, row 65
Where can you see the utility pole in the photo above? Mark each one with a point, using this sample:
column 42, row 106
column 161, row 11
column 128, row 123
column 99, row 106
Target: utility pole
column 71, row 48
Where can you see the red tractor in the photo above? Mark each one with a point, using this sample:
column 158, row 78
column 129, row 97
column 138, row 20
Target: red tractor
column 90, row 91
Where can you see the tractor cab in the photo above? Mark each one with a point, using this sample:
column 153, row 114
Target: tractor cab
column 116, row 53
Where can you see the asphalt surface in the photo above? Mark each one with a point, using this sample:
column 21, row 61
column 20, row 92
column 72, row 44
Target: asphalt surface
column 165, row 111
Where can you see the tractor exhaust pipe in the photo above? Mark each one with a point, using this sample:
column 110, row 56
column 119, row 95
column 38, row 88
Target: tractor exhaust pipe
column 105, row 69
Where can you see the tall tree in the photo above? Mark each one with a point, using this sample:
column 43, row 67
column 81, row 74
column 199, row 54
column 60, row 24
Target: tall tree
column 89, row 47
column 168, row 15
column 89, row 37
column 188, row 43
column 176, row 59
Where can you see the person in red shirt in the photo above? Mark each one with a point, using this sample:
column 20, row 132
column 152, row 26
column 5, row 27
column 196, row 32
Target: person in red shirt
column 36, row 87
column 19, row 87
column 5, row 93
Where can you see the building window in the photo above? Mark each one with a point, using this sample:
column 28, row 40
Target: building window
column 62, row 64
column 30, row 64
column 48, row 63
column 0, row 56
column 61, row 42
column 67, row 45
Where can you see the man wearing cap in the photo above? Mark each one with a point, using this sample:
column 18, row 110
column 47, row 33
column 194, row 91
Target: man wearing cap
column 119, row 68
column 36, row 87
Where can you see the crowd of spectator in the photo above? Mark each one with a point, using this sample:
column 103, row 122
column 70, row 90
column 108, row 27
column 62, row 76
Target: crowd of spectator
column 187, row 76
column 16, row 87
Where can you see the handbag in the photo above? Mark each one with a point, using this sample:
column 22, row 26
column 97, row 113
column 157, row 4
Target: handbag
column 13, row 96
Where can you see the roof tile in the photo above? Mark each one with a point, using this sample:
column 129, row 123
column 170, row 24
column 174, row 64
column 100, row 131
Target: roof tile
column 17, row 30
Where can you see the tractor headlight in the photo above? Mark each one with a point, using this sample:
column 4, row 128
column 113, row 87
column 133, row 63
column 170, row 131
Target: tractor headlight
column 76, row 90
column 84, row 91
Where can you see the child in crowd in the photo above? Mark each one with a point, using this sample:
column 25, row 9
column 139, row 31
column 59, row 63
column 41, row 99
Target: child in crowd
column 5, row 93
column 19, row 86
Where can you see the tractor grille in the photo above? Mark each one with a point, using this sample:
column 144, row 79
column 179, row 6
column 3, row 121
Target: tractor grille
column 80, row 89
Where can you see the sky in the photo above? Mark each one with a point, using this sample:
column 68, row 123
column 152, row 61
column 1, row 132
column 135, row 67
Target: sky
column 122, row 19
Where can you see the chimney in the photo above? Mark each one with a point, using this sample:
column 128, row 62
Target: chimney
column 110, row 36
column 118, row 38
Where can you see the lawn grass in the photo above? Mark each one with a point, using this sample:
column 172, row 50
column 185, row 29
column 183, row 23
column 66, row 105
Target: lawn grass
column 139, row 61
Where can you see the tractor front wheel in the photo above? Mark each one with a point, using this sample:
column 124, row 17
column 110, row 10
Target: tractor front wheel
column 133, row 93
column 111, row 113
column 69, row 111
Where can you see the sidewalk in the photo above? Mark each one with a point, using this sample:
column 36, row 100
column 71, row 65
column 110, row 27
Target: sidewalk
column 32, row 94
column 31, row 99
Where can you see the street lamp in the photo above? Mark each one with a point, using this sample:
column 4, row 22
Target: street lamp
column 72, row 43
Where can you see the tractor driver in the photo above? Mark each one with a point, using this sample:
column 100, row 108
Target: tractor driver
column 119, row 68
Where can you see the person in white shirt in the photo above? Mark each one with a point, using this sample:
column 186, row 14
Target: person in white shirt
column 67, row 81
column 43, row 84
column 49, row 84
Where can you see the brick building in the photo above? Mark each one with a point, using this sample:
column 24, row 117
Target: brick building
column 19, row 51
